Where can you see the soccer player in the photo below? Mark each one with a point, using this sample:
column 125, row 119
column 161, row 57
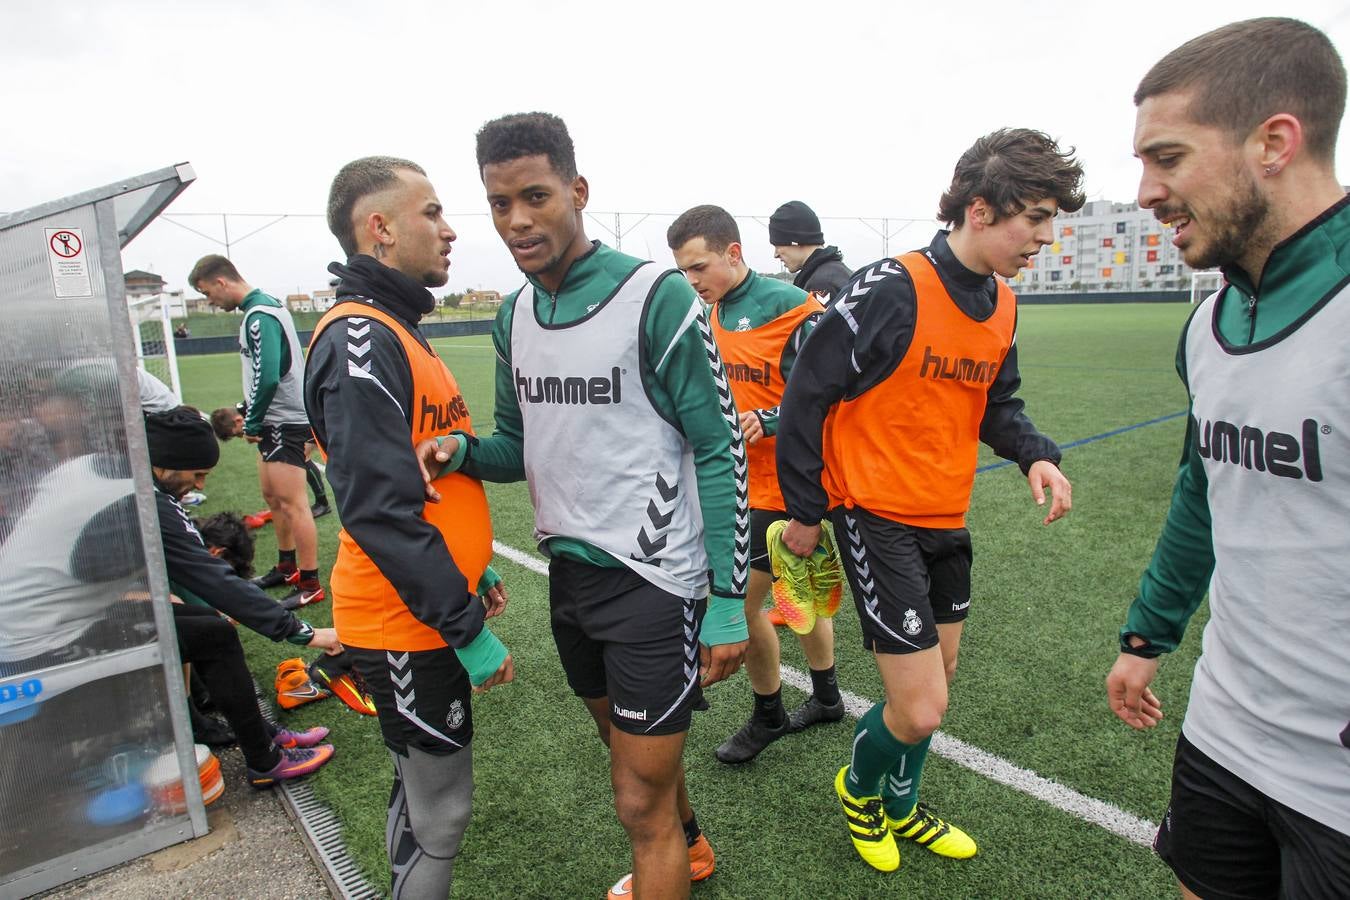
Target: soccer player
column 409, row 574
column 913, row 365
column 274, row 371
column 612, row 402
column 759, row 325
column 794, row 232
column 1239, row 161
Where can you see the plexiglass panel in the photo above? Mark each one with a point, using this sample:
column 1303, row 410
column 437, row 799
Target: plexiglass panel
column 86, row 735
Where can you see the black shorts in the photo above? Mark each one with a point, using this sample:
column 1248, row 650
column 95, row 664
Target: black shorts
column 619, row 636
column 1225, row 839
column 905, row 580
column 421, row 698
column 285, row 444
column 760, row 520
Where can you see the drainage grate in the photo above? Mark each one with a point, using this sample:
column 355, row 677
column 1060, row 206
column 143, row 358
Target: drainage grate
column 324, row 832
column 321, row 830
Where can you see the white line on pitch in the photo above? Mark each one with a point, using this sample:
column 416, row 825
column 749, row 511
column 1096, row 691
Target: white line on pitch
column 1098, row 812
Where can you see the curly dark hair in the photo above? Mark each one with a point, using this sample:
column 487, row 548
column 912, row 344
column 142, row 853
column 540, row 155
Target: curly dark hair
column 527, row 134
column 228, row 532
column 1009, row 167
column 712, row 223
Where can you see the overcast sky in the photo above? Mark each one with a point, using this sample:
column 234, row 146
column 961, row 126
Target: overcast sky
column 858, row 108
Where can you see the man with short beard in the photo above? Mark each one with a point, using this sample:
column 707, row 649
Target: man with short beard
column 410, row 570
column 1236, row 130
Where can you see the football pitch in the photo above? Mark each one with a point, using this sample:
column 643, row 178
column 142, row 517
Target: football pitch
column 1057, row 792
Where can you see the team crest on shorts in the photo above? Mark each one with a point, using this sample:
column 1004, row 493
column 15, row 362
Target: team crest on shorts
column 455, row 717
column 912, row 625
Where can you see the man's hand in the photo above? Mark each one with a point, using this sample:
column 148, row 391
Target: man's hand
column 751, row 427
column 720, row 662
column 801, row 539
column 430, row 458
column 505, row 672
column 327, row 640
column 494, row 599
column 1127, row 689
column 1044, row 475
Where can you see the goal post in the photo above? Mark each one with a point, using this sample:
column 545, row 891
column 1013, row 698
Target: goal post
column 152, row 329
column 1204, row 283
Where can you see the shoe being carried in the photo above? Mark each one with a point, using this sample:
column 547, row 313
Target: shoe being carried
column 804, row 588
column 293, row 685
column 934, row 834
column 334, row 673
column 295, row 763
column 867, row 827
column 702, row 863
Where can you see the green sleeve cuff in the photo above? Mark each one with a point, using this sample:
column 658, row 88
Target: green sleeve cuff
column 489, row 581
column 457, row 457
column 768, row 421
column 724, row 622
column 483, row 657
column 302, row 637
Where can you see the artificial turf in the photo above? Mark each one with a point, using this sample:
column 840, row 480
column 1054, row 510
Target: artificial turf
column 1038, row 643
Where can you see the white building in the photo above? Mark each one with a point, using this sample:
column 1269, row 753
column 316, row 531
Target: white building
column 1106, row 246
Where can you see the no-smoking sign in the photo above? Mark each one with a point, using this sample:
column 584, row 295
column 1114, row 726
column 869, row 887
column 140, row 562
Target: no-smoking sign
column 68, row 263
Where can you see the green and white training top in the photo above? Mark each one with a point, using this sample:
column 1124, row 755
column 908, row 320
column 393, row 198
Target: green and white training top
column 580, row 383
column 1271, row 693
column 273, row 364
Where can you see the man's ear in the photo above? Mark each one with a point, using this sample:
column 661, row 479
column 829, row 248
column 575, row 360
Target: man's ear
column 980, row 213
column 581, row 193
column 1277, row 142
column 734, row 253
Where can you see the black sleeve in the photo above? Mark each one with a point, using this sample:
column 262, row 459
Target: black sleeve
column 858, row 343
column 1005, row 428
column 191, row 565
column 358, row 393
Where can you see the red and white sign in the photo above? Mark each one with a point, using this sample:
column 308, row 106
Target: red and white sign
column 69, row 263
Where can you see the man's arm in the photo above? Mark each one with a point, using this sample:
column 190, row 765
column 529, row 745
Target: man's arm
column 360, row 416
column 768, row 418
column 266, row 349
column 857, row 343
column 1171, row 588
column 1005, row 426
column 501, row 457
column 191, row 565
column 688, row 371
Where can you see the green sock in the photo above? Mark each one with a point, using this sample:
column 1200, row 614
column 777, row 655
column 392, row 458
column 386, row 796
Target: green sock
column 875, row 752
column 900, row 787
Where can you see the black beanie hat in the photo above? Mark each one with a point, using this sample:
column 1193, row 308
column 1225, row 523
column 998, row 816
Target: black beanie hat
column 181, row 439
column 794, row 223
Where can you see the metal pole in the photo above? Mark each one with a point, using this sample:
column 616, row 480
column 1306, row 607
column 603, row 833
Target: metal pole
column 225, row 223
column 618, row 233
